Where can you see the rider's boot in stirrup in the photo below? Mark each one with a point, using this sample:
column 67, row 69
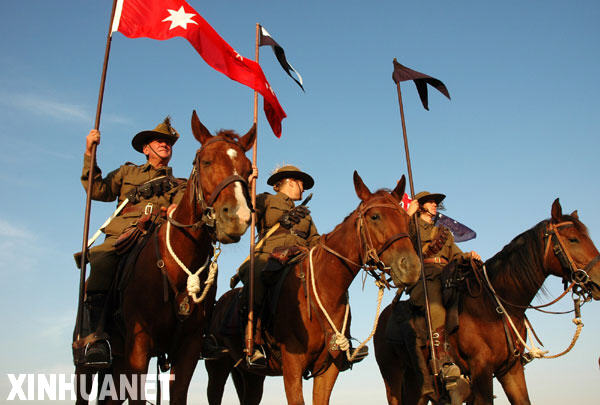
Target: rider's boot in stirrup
column 97, row 353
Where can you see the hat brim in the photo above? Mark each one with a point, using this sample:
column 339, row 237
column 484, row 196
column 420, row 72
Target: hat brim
column 438, row 198
column 142, row 138
column 307, row 180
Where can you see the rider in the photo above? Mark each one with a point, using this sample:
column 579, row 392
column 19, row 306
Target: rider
column 295, row 226
column 149, row 187
column 438, row 248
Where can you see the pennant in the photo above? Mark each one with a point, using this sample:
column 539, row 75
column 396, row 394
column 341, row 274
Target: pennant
column 166, row 19
column 461, row 233
column 265, row 39
column 402, row 73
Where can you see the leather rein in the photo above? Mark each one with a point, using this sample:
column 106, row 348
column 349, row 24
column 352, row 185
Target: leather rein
column 207, row 216
column 370, row 257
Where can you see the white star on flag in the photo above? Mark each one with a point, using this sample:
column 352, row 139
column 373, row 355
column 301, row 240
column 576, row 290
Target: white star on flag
column 238, row 56
column 180, row 18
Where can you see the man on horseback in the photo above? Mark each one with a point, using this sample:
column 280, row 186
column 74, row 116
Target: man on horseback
column 438, row 249
column 292, row 225
column 149, row 188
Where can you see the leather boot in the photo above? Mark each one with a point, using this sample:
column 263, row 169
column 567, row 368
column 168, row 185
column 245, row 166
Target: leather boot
column 258, row 359
column 211, row 349
column 97, row 352
column 448, row 370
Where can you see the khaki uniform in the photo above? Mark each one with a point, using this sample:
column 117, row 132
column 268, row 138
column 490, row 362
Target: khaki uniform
column 115, row 186
column 269, row 208
column 448, row 252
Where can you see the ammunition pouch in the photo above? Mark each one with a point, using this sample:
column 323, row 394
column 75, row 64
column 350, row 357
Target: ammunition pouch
column 154, row 187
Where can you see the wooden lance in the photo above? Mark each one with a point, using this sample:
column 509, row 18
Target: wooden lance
column 418, row 237
column 88, row 201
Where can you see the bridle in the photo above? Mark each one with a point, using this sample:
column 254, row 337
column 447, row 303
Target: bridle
column 578, row 277
column 369, row 257
column 207, row 212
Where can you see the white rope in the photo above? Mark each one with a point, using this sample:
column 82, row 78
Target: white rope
column 193, row 281
column 340, row 338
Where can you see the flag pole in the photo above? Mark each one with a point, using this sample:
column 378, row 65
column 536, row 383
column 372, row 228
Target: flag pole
column 250, row 326
column 418, row 236
column 88, row 201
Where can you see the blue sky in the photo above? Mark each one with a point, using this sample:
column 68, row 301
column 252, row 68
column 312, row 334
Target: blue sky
column 518, row 132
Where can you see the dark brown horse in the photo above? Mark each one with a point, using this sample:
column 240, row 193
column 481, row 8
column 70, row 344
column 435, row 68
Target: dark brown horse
column 302, row 339
column 160, row 314
column 559, row 246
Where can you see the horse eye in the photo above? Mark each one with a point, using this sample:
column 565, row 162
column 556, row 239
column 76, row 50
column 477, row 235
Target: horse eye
column 375, row 217
column 573, row 240
column 206, row 163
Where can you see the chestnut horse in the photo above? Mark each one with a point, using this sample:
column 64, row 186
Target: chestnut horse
column 559, row 246
column 160, row 313
column 303, row 339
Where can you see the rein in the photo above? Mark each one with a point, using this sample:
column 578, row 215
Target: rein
column 373, row 261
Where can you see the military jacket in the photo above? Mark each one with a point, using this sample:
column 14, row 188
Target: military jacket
column 428, row 232
column 269, row 208
column 118, row 183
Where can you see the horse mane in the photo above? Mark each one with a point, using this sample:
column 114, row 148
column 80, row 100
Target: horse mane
column 229, row 134
column 520, row 261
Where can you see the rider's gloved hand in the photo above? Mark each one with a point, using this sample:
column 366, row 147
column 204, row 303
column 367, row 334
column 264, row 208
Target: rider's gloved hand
column 297, row 213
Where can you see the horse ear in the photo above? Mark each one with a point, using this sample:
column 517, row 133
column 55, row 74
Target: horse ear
column 398, row 192
column 574, row 214
column 362, row 191
column 247, row 141
column 200, row 132
column 556, row 211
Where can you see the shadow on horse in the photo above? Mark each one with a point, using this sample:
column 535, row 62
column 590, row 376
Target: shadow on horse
column 484, row 346
column 307, row 328
column 160, row 315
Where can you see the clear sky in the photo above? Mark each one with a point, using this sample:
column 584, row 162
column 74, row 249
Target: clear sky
column 521, row 129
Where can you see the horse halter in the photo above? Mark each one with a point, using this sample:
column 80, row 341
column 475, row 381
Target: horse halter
column 208, row 217
column 370, row 257
column 580, row 279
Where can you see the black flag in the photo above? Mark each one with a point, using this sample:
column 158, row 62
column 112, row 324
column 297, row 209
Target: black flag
column 266, row 39
column 402, row 73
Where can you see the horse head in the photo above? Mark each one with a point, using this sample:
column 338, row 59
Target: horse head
column 573, row 256
column 383, row 226
column 221, row 185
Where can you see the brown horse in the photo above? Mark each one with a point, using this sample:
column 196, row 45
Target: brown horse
column 160, row 314
column 559, row 246
column 302, row 339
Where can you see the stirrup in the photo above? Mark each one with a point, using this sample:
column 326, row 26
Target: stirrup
column 258, row 359
column 97, row 354
column 450, row 374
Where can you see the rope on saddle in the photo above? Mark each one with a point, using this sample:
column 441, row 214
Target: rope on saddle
column 340, row 338
column 535, row 351
column 193, row 281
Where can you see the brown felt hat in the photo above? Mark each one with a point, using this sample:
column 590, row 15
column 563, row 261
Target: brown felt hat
column 291, row 172
column 425, row 196
column 164, row 130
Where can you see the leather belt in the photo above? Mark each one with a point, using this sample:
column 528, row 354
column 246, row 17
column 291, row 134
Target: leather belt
column 435, row 260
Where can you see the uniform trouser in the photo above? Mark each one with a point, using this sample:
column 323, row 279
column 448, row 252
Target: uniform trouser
column 103, row 266
column 260, row 261
column 434, row 294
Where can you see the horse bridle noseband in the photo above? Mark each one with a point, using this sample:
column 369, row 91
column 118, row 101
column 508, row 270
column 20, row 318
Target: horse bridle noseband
column 370, row 257
column 580, row 279
column 208, row 217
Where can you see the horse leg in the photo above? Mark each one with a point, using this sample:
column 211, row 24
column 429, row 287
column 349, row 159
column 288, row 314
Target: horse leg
column 323, row 385
column 253, row 387
column 183, row 367
column 83, row 391
column 482, row 382
column 218, row 372
column 292, row 377
column 514, row 385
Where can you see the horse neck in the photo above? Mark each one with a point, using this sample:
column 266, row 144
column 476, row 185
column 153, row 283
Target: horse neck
column 191, row 245
column 517, row 272
column 344, row 240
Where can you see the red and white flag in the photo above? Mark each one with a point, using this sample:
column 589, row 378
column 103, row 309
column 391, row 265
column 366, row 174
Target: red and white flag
column 165, row 19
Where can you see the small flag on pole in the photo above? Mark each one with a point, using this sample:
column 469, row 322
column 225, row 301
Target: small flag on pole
column 265, row 39
column 402, row 73
column 166, row 19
